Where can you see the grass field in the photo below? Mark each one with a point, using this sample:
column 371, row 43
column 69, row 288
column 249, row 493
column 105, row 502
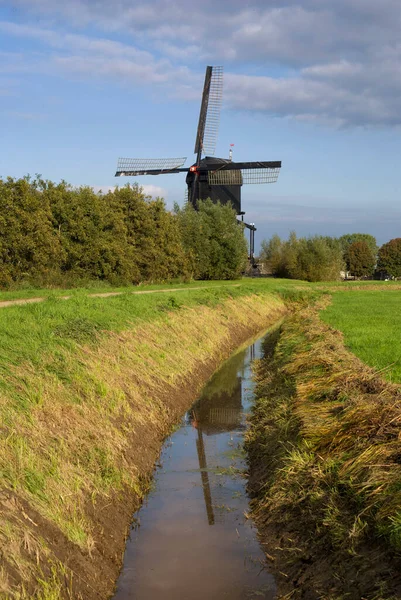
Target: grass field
column 371, row 323
column 27, row 332
column 79, row 378
column 101, row 287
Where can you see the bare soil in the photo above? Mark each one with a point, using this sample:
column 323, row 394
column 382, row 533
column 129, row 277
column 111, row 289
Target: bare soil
column 306, row 567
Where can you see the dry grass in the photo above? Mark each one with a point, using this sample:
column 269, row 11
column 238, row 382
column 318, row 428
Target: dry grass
column 329, row 428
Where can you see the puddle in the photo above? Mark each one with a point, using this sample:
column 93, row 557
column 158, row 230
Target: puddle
column 191, row 539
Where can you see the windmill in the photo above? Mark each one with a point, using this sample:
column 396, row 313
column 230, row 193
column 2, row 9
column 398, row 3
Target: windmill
column 219, row 179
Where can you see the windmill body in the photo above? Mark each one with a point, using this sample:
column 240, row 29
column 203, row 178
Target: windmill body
column 209, row 177
column 200, row 188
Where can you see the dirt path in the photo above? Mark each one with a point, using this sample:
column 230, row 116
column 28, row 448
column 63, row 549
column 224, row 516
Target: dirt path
column 35, row 300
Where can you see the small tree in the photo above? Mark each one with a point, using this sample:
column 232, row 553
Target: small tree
column 315, row 258
column 271, row 253
column 350, row 238
column 318, row 259
column 29, row 248
column 390, row 257
column 213, row 239
column 360, row 259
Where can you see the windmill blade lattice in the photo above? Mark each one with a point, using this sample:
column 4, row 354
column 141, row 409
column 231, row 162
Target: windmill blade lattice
column 257, row 174
column 142, row 166
column 219, row 179
column 213, row 111
column 209, row 117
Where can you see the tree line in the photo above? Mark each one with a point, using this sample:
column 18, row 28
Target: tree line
column 57, row 234
column 323, row 258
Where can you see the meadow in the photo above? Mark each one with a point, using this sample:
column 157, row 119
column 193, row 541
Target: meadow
column 27, row 332
column 89, row 387
column 370, row 321
column 89, row 384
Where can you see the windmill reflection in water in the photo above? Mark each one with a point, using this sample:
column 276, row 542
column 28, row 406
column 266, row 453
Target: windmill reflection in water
column 219, row 410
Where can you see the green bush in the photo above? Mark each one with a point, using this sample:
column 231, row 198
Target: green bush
column 56, row 234
column 316, row 258
column 214, row 240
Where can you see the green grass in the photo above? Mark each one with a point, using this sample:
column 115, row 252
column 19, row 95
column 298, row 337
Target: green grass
column 78, row 375
column 27, row 331
column 101, row 287
column 80, row 378
column 371, row 323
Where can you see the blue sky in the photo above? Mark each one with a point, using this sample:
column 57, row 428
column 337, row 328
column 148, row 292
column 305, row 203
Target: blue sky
column 314, row 83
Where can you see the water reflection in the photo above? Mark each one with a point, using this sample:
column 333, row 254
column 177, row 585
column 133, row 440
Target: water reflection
column 219, row 409
column 200, row 446
column 175, row 553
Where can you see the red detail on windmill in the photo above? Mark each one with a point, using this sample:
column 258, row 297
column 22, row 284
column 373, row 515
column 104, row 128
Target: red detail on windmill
column 194, row 169
column 232, row 144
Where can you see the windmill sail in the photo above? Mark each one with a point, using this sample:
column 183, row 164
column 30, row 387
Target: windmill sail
column 132, row 167
column 219, row 179
column 244, row 173
column 209, row 116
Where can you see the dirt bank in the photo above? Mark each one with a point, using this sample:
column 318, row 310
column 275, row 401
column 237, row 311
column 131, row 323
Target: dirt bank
column 325, row 475
column 79, row 462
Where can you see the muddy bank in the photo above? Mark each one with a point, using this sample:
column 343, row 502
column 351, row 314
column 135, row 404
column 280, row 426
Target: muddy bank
column 65, row 535
column 325, row 474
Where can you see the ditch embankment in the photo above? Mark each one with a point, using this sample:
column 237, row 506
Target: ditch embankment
column 325, row 466
column 90, row 388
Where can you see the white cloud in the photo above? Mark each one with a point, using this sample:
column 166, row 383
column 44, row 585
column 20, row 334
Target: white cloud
column 333, row 62
column 298, row 31
column 88, row 57
column 154, row 191
column 328, row 98
column 149, row 190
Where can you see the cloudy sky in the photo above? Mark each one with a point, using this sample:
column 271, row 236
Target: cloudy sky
column 314, row 83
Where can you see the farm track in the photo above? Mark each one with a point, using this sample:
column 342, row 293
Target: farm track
column 35, row 300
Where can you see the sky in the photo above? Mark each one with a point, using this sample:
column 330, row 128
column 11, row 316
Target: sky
column 313, row 83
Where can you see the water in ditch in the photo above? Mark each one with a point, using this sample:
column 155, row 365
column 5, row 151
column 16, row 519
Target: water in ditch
column 191, row 539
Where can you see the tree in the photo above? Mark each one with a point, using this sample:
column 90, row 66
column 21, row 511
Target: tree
column 92, row 233
column 389, row 258
column 350, row 238
column 319, row 258
column 360, row 260
column 54, row 233
column 214, row 240
column 315, row 258
column 29, row 248
column 272, row 253
column 281, row 255
column 153, row 234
